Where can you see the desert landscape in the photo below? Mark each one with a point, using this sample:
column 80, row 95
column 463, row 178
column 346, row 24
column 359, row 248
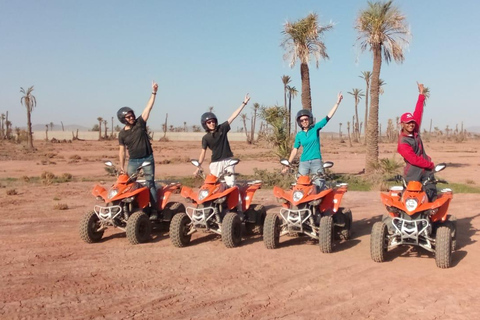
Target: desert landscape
column 48, row 272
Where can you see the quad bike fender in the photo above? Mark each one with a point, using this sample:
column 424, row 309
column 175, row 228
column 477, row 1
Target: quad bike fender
column 163, row 194
column 442, row 203
column 280, row 193
column 248, row 193
column 99, row 191
column 188, row 193
column 330, row 202
column 233, row 196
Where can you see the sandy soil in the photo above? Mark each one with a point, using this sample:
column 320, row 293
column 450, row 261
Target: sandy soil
column 47, row 272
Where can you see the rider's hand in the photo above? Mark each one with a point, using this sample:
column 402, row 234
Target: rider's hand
column 420, row 87
column 285, row 170
column 154, row 86
column 196, row 172
column 246, row 99
column 339, row 97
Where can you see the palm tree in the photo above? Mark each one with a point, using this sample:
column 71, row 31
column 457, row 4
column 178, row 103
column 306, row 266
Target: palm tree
column 302, row 39
column 357, row 95
column 29, row 101
column 286, row 80
column 426, row 93
column 382, row 28
column 100, row 120
column 2, row 126
column 256, row 107
column 292, row 93
column 366, row 76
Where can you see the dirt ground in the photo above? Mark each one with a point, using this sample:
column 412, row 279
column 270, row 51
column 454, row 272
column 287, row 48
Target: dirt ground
column 47, row 272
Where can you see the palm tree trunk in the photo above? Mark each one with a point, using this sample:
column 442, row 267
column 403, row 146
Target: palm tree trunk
column 289, row 124
column 306, row 95
column 366, row 112
column 371, row 158
column 29, row 133
column 357, row 125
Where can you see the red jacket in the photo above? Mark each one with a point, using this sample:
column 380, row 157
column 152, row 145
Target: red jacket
column 410, row 146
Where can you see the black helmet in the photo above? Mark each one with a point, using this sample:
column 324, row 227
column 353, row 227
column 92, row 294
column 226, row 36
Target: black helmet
column 305, row 112
column 207, row 116
column 122, row 112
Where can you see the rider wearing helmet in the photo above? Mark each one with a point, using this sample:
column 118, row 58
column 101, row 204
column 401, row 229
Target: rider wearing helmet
column 309, row 139
column 134, row 138
column 216, row 139
column 418, row 165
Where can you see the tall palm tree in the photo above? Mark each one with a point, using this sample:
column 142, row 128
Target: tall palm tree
column 426, row 93
column 100, row 120
column 382, row 28
column 30, row 102
column 302, row 39
column 2, row 126
column 357, row 95
column 286, row 80
column 292, row 93
column 366, row 76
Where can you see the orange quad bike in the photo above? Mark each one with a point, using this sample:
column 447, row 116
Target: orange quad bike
column 126, row 205
column 308, row 211
column 413, row 220
column 215, row 210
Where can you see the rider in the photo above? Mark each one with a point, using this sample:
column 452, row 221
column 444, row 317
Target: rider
column 309, row 139
column 419, row 165
column 216, row 139
column 134, row 137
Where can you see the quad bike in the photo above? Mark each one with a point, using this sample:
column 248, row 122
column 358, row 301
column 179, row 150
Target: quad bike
column 216, row 210
column 413, row 220
column 307, row 211
column 126, row 205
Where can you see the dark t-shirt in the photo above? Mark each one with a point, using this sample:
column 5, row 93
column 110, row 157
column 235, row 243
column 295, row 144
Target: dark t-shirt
column 218, row 142
column 136, row 140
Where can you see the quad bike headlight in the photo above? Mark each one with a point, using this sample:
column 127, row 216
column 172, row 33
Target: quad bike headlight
column 411, row 204
column 297, row 196
column 202, row 194
column 112, row 193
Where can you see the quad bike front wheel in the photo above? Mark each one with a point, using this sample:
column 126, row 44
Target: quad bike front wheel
column 325, row 236
column 271, row 231
column 345, row 232
column 139, row 228
column 89, row 228
column 179, row 230
column 231, row 230
column 254, row 219
column 378, row 242
column 443, row 247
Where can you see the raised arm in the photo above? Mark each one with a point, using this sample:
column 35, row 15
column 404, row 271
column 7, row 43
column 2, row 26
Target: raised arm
column 334, row 109
column 237, row 112
column 151, row 101
column 418, row 113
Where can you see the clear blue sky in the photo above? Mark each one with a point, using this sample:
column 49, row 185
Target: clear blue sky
column 89, row 58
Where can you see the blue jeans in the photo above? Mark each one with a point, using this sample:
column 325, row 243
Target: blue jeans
column 312, row 167
column 149, row 172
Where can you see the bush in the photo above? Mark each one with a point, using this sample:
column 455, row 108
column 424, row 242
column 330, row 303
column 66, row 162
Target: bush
column 11, row 192
column 60, row 206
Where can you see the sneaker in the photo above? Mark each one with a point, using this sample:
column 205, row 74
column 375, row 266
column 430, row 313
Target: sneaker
column 154, row 215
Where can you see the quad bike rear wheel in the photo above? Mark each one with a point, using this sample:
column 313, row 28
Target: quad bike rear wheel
column 89, row 228
column 139, row 228
column 443, row 247
column 378, row 242
column 179, row 230
column 231, row 230
column 325, row 236
column 271, row 231
column 256, row 214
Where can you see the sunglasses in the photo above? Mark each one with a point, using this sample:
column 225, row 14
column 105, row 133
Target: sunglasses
column 304, row 120
column 129, row 116
column 210, row 121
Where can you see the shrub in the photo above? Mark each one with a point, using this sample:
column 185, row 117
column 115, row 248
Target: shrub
column 12, row 192
column 60, row 206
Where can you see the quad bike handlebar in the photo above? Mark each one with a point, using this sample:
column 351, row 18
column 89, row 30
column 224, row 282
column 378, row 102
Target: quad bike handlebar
column 431, row 178
column 225, row 173
column 133, row 176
